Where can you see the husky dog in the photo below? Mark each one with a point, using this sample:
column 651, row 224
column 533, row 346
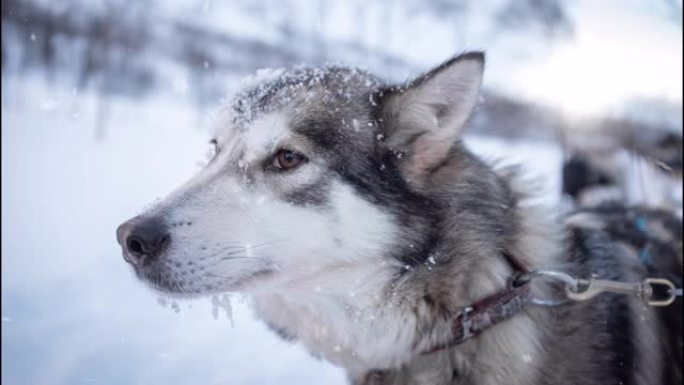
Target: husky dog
column 354, row 217
column 623, row 161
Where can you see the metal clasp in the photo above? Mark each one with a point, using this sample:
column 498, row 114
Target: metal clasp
column 589, row 288
column 569, row 282
column 585, row 289
column 466, row 323
column 672, row 291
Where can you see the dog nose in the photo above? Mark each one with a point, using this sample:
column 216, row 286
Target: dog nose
column 142, row 239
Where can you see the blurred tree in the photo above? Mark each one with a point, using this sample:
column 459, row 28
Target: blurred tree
column 547, row 15
column 124, row 48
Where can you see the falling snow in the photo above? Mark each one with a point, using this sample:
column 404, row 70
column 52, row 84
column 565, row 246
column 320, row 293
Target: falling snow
column 49, row 105
column 32, row 134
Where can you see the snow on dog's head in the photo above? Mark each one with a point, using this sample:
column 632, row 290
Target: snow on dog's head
column 268, row 206
column 312, row 170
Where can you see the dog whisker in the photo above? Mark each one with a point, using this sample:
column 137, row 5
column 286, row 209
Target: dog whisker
column 235, row 250
column 253, row 247
column 220, row 251
column 218, row 276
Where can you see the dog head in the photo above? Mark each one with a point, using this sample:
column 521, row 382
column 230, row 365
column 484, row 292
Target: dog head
column 312, row 169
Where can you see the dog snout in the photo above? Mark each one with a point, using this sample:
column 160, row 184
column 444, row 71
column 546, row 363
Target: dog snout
column 142, row 240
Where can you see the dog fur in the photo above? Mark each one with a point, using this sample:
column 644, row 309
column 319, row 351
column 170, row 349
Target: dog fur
column 368, row 249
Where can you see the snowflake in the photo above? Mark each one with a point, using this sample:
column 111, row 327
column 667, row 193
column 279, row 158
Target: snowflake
column 49, row 105
column 180, row 85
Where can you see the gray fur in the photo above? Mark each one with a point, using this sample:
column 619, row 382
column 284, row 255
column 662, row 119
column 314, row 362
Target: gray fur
column 457, row 215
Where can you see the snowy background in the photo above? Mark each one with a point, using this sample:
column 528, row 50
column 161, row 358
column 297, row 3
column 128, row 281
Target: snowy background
column 107, row 105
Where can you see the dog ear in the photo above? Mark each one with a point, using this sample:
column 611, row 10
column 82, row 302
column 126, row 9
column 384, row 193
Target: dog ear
column 425, row 118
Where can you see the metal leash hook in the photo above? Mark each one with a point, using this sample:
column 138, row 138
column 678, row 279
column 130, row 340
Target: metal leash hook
column 589, row 288
column 577, row 289
column 569, row 282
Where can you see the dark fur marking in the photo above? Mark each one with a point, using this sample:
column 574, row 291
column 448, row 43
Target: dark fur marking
column 321, row 133
column 596, row 254
column 375, row 176
column 386, row 187
column 314, row 194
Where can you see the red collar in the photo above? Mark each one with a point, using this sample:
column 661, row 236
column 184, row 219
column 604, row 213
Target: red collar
column 489, row 311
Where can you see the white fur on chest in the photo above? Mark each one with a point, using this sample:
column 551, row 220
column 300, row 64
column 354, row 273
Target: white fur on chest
column 341, row 320
column 335, row 301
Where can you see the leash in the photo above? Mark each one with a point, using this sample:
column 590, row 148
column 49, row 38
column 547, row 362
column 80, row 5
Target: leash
column 471, row 320
column 653, row 291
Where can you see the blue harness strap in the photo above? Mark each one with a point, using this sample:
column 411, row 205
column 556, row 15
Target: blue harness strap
column 641, row 224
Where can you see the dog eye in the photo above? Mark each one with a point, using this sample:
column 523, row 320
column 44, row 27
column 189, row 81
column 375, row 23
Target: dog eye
column 287, row 160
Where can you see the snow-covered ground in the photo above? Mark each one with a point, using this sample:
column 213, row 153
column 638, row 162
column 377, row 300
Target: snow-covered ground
column 72, row 311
